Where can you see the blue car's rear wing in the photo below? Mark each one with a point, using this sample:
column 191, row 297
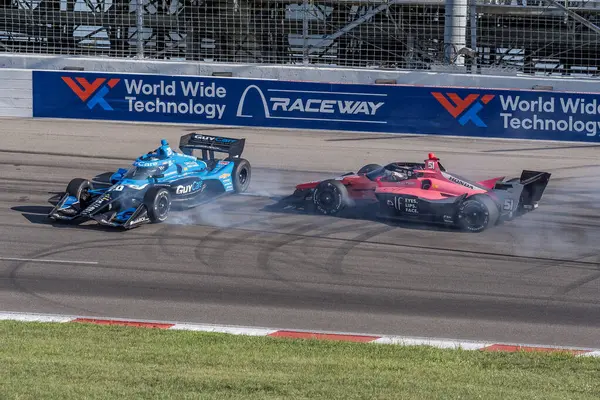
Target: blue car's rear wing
column 211, row 144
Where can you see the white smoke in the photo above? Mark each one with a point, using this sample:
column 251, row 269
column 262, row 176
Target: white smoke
column 266, row 186
column 211, row 213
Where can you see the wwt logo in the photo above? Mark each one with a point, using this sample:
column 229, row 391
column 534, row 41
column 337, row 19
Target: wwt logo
column 311, row 105
column 92, row 93
column 469, row 105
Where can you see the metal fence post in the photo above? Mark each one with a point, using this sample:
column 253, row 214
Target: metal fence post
column 455, row 30
column 473, row 18
column 139, row 12
column 305, row 32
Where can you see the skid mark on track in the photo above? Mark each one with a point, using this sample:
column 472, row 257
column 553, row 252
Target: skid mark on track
column 21, row 288
column 143, row 240
column 166, row 247
column 418, row 247
column 569, row 237
column 336, row 259
column 88, row 244
column 549, row 238
column 324, row 228
column 577, row 284
column 301, row 261
column 265, row 252
column 217, row 256
column 298, row 233
column 581, row 265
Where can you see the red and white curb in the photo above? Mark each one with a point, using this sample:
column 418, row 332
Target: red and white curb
column 300, row 334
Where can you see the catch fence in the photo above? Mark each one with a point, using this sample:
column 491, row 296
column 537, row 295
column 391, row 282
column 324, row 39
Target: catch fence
column 543, row 37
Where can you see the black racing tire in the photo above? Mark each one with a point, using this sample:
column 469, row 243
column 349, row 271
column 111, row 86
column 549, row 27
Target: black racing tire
column 368, row 168
column 330, row 197
column 79, row 188
column 242, row 172
column 158, row 204
column 477, row 213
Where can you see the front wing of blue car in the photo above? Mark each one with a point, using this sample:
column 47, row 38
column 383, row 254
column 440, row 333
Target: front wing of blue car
column 68, row 208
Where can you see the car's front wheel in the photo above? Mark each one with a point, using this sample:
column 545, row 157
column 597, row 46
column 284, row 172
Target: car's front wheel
column 80, row 189
column 158, row 204
column 330, row 197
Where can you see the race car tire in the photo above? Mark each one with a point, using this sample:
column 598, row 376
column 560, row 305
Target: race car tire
column 477, row 213
column 368, row 168
column 79, row 188
column 158, row 204
column 242, row 173
column 330, row 197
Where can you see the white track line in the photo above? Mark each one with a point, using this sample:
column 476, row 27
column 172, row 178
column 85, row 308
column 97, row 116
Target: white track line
column 27, row 317
column 43, row 260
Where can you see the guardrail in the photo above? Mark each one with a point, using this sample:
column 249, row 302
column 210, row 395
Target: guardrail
column 497, row 113
column 500, row 79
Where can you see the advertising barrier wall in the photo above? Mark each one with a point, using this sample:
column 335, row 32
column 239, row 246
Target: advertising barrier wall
column 495, row 113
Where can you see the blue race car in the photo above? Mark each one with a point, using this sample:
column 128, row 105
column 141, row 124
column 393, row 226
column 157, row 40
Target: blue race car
column 157, row 182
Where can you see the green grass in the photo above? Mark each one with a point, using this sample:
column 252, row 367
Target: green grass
column 80, row 361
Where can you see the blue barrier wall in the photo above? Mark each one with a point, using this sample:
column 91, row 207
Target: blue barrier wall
column 267, row 103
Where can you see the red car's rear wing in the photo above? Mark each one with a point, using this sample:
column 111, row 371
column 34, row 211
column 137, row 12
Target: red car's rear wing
column 535, row 183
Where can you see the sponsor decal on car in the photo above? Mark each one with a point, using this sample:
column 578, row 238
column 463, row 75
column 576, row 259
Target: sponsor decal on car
column 139, row 220
column 191, row 188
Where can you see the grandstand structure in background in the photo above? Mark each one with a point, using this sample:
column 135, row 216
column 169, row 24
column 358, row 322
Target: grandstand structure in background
column 542, row 37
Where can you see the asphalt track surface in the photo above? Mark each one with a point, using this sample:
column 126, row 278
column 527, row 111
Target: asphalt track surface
column 533, row 280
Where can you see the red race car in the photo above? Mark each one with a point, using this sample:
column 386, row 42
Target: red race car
column 424, row 192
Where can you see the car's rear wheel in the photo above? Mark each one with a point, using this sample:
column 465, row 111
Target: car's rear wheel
column 242, row 173
column 330, row 197
column 477, row 213
column 158, row 204
column 80, row 189
column 368, row 168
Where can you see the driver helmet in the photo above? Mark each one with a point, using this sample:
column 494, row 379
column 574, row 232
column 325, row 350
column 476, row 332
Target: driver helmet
column 399, row 175
column 164, row 151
